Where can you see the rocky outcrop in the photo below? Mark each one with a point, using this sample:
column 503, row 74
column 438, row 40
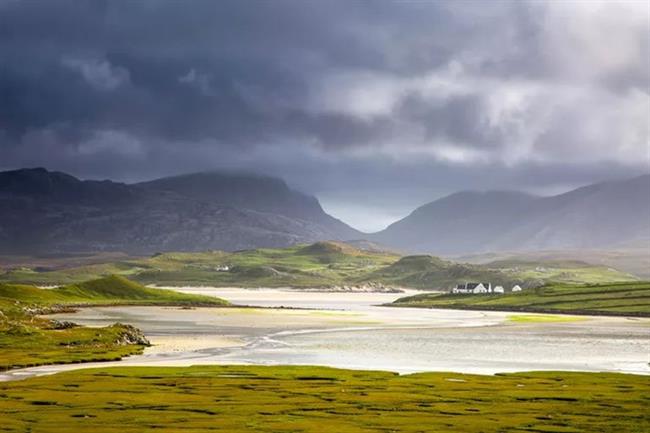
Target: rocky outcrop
column 370, row 287
column 130, row 335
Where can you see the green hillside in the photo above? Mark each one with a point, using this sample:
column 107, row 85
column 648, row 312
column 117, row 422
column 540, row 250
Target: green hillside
column 320, row 265
column 113, row 289
column 27, row 339
column 632, row 258
column 613, row 299
column 427, row 272
column 555, row 270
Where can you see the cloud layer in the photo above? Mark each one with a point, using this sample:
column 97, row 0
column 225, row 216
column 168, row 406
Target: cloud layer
column 374, row 106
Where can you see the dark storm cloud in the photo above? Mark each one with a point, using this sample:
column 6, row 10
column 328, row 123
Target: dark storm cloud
column 410, row 97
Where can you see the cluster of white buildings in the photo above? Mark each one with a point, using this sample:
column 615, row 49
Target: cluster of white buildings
column 482, row 288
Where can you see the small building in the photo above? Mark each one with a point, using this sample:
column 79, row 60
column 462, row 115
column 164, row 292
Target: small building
column 480, row 288
column 516, row 288
column 475, row 288
column 498, row 289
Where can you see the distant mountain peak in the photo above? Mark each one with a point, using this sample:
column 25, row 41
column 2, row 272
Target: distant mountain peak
column 260, row 193
column 470, row 222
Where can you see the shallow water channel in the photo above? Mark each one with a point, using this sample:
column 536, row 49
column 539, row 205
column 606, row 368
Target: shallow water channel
column 351, row 330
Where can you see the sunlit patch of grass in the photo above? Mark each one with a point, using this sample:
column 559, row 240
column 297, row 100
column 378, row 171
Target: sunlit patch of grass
column 66, row 346
column 29, row 340
column 238, row 399
column 622, row 299
column 543, row 318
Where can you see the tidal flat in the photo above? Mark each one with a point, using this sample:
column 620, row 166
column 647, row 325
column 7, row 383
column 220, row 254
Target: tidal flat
column 348, row 330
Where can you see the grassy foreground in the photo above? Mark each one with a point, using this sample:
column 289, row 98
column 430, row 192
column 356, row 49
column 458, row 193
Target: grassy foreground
column 316, row 399
column 603, row 299
column 29, row 340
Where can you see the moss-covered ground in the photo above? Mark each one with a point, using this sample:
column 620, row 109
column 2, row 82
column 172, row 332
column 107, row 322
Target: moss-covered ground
column 314, row 399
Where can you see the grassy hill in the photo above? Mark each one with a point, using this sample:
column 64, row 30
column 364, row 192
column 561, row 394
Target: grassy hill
column 428, row 272
column 633, row 258
column 27, row 339
column 609, row 299
column 238, row 399
column 560, row 270
column 113, row 289
column 320, row 265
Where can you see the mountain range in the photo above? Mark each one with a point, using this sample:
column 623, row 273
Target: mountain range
column 608, row 214
column 47, row 211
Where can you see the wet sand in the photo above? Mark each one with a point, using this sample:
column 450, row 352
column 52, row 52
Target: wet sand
column 349, row 330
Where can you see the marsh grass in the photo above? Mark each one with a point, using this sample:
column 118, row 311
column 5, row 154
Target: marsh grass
column 315, row 399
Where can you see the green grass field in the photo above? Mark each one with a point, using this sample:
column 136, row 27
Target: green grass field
column 29, row 340
column 107, row 290
column 613, row 299
column 320, row 265
column 315, row 399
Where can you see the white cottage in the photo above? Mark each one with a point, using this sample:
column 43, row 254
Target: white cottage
column 480, row 288
column 498, row 289
column 462, row 288
column 516, row 288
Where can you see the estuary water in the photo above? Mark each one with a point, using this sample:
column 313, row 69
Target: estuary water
column 352, row 330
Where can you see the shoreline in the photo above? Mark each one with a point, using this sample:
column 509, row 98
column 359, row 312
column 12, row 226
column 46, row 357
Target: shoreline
column 336, row 289
column 505, row 309
column 244, row 334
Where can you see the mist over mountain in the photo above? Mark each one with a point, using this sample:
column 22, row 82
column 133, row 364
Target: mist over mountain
column 49, row 211
column 601, row 215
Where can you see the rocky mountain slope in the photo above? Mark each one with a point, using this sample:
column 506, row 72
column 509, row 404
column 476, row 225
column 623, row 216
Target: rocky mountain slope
column 51, row 211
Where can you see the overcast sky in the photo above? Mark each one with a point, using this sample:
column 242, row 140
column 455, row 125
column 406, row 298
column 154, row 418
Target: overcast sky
column 376, row 107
